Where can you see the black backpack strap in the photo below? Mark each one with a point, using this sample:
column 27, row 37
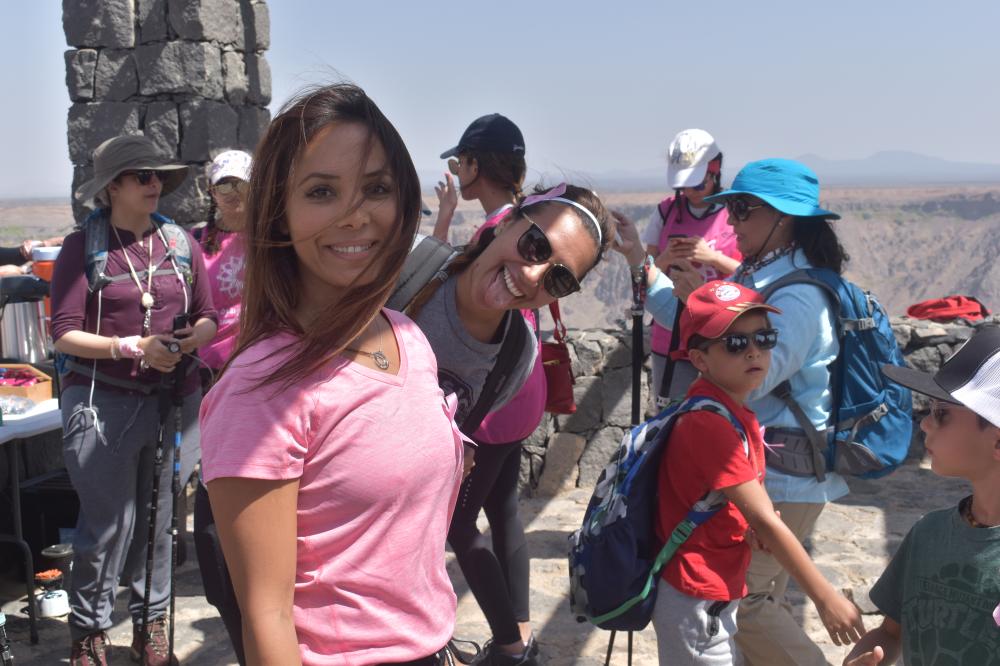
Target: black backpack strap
column 95, row 249
column 510, row 351
column 426, row 260
column 817, row 439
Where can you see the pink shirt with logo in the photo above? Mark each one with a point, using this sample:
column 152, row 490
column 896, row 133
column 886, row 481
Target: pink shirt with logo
column 225, row 272
column 521, row 415
column 379, row 461
column 714, row 228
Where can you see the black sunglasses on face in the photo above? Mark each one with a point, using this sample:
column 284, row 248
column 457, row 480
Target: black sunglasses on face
column 143, row 176
column 736, row 343
column 740, row 208
column 534, row 247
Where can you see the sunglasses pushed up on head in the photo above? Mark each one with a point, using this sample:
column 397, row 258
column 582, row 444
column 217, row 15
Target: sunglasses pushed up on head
column 534, row 247
column 764, row 339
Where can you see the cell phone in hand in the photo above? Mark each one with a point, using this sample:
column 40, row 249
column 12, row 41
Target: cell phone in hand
column 180, row 322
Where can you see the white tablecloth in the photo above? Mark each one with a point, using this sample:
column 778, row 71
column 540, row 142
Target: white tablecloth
column 43, row 417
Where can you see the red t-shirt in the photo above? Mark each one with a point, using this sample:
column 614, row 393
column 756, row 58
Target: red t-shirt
column 706, row 453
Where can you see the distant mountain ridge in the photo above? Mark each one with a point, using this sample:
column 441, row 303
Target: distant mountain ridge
column 890, row 168
column 898, row 167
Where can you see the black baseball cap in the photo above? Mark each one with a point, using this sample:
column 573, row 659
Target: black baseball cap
column 971, row 377
column 489, row 134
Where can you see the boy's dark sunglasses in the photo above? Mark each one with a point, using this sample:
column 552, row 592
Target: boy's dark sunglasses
column 143, row 176
column 740, row 208
column 737, row 343
column 534, row 247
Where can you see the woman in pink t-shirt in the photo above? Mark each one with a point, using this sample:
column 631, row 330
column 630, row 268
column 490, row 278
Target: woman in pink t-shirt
column 331, row 456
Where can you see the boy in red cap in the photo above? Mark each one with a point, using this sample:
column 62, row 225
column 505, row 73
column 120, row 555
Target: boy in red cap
column 726, row 336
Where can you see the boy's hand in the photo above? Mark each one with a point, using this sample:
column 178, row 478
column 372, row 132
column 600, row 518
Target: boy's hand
column 873, row 658
column 842, row 619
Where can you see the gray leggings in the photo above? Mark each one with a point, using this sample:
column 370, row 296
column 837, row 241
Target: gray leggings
column 112, row 473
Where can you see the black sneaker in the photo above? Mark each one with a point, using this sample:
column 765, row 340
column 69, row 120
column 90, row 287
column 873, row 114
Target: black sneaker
column 493, row 656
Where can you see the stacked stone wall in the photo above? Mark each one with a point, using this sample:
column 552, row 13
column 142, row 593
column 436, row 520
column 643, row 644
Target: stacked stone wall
column 189, row 74
column 570, row 451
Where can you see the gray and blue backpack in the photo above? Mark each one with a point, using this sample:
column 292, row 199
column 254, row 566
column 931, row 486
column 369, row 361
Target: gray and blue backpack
column 615, row 557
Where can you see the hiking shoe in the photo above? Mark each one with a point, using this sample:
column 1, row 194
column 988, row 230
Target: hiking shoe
column 157, row 646
column 493, row 656
column 91, row 650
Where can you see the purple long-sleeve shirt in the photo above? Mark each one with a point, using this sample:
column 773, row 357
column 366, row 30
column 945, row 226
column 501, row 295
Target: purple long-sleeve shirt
column 121, row 313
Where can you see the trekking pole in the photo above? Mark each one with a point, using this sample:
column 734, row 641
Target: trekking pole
column 180, row 321
column 638, row 311
column 163, row 407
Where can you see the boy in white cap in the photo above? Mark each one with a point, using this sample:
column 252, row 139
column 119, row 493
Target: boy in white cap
column 939, row 590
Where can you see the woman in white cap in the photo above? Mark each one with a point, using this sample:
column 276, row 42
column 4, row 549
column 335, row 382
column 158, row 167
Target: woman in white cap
column 117, row 287
column 686, row 228
column 222, row 242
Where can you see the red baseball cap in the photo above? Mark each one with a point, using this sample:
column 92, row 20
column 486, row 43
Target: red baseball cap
column 713, row 307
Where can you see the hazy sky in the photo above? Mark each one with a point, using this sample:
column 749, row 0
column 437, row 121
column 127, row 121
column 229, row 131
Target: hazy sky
column 595, row 86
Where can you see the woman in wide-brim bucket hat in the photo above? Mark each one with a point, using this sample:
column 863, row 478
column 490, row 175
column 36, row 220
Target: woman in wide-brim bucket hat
column 132, row 152
column 786, row 185
column 120, row 282
column 774, row 210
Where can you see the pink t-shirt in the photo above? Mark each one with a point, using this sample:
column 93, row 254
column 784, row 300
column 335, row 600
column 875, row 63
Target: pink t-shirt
column 715, row 229
column 379, row 463
column 521, row 415
column 225, row 272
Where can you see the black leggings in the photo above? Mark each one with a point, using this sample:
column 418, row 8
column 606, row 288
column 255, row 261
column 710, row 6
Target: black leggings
column 498, row 577
column 214, row 574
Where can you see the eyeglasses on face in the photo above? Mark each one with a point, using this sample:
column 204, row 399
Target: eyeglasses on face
column 143, row 176
column 740, row 208
column 534, row 247
column 453, row 165
column 764, row 339
column 227, row 187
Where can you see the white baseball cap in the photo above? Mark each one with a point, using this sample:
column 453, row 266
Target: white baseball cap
column 230, row 164
column 688, row 157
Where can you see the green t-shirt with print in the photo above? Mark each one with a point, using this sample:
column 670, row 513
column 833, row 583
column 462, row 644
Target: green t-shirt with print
column 942, row 586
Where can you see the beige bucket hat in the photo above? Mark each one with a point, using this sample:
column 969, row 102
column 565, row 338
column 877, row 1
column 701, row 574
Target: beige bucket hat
column 132, row 152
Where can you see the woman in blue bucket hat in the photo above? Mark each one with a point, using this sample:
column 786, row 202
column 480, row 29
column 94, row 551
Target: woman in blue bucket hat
column 780, row 227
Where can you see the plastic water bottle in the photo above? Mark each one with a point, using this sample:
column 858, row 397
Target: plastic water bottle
column 6, row 657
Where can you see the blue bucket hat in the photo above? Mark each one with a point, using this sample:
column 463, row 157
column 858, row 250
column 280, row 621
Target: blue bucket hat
column 786, row 185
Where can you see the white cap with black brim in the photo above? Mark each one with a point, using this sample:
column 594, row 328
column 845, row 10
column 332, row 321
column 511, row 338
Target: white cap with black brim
column 971, row 377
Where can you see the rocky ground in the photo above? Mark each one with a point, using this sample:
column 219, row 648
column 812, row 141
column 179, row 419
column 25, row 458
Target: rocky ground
column 854, row 540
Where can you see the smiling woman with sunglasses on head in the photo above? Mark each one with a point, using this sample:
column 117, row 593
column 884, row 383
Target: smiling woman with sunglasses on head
column 114, row 322
column 780, row 228
column 539, row 252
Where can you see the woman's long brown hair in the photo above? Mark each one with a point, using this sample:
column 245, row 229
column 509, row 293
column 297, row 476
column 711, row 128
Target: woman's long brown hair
column 272, row 282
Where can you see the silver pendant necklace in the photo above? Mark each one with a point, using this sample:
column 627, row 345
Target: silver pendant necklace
column 377, row 356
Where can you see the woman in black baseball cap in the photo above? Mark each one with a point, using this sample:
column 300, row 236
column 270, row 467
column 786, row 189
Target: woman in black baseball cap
column 489, row 165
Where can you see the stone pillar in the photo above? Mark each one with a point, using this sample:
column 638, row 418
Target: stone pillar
column 189, row 74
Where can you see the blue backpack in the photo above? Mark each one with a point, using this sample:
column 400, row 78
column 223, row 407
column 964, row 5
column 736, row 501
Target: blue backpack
column 871, row 423
column 615, row 557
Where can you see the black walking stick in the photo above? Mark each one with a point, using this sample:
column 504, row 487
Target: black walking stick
column 169, row 386
column 638, row 349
